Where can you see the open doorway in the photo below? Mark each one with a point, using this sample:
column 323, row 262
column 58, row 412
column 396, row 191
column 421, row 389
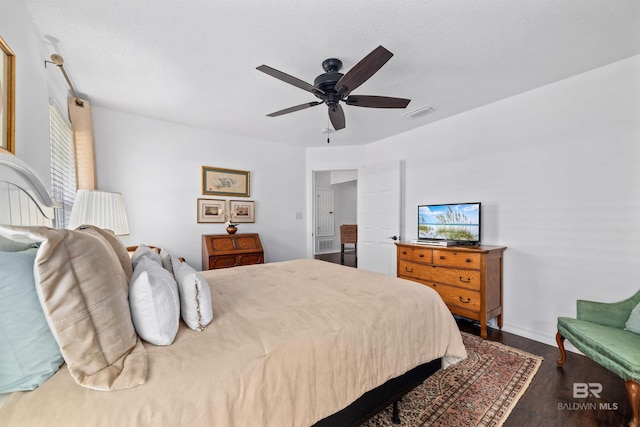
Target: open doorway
column 335, row 203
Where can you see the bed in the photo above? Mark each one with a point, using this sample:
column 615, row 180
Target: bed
column 293, row 343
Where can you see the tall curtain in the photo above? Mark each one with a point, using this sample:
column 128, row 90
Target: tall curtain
column 80, row 117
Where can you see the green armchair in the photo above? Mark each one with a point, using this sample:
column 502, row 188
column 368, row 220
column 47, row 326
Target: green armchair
column 599, row 333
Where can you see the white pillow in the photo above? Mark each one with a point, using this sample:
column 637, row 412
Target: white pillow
column 195, row 296
column 144, row 251
column 165, row 259
column 154, row 302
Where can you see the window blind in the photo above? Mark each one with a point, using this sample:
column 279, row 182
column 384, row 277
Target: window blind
column 63, row 167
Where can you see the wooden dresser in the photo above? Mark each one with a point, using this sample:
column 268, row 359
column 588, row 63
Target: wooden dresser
column 469, row 280
column 231, row 250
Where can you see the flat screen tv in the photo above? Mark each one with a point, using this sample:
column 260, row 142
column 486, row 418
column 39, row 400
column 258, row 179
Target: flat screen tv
column 453, row 222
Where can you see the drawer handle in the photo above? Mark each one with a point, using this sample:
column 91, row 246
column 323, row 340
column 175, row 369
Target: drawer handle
column 468, row 260
column 441, row 256
column 404, row 252
column 421, row 255
column 465, row 302
column 465, row 281
column 408, row 270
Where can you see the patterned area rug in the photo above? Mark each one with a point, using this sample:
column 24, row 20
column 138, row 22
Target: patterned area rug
column 479, row 391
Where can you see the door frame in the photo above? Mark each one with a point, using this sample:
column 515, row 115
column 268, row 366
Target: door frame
column 312, row 208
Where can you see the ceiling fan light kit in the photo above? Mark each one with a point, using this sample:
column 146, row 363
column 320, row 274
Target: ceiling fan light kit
column 332, row 87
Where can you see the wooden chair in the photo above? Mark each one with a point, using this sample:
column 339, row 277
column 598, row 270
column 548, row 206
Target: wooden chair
column 349, row 236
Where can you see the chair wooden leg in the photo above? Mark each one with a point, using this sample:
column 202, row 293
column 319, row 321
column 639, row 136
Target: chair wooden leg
column 633, row 393
column 355, row 248
column 342, row 253
column 563, row 354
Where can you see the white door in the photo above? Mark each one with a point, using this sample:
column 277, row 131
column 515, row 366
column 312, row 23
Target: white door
column 379, row 216
column 324, row 212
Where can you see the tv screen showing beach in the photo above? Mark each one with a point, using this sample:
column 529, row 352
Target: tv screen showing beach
column 459, row 222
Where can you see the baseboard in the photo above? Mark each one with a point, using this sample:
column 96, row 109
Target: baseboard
column 327, row 252
column 537, row 336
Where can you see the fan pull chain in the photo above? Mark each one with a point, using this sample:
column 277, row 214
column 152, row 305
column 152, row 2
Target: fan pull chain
column 328, row 131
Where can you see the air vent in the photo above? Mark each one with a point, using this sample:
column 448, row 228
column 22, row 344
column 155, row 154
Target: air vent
column 426, row 109
column 325, row 245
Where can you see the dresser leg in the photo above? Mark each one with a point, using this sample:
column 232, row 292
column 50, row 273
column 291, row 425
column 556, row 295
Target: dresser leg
column 500, row 321
column 483, row 330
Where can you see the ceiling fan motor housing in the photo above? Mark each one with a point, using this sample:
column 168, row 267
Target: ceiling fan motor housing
column 326, row 82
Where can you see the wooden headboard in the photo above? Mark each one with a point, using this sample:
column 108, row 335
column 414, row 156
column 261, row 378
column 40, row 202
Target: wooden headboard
column 24, row 200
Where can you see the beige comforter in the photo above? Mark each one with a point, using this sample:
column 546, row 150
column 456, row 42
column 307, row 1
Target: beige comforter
column 291, row 343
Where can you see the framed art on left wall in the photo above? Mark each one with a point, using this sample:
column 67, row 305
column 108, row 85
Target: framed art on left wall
column 7, row 97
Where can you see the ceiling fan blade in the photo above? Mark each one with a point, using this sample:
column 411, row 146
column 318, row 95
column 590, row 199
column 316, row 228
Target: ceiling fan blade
column 363, row 70
column 336, row 115
column 377, row 101
column 288, row 79
column 296, row 108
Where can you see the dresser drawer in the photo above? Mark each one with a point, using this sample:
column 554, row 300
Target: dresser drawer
column 457, row 297
column 249, row 259
column 223, row 261
column 468, row 279
column 456, row 259
column 415, row 254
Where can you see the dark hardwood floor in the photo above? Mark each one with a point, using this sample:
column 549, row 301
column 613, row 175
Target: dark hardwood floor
column 349, row 258
column 549, row 400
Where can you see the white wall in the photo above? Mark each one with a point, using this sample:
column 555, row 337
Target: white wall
column 157, row 166
column 34, row 85
column 346, row 203
column 558, row 172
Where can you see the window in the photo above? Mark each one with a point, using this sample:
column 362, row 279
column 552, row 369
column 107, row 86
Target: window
column 63, row 166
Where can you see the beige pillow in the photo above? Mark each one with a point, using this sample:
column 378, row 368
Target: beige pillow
column 119, row 248
column 84, row 292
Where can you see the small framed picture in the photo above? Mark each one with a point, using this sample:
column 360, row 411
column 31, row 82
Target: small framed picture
column 7, row 97
column 225, row 182
column 242, row 211
column 210, row 211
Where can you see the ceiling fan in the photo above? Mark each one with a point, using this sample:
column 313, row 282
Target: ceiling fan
column 333, row 86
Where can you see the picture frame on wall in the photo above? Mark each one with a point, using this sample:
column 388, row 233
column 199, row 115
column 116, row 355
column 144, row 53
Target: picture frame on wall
column 243, row 211
column 211, row 211
column 7, row 97
column 225, row 182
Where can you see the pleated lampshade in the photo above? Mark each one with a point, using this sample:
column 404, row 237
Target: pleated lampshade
column 99, row 208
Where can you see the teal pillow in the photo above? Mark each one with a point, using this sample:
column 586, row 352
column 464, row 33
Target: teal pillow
column 29, row 354
column 633, row 324
column 8, row 245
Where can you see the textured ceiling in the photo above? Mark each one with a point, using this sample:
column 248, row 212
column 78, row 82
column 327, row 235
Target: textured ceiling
column 193, row 62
